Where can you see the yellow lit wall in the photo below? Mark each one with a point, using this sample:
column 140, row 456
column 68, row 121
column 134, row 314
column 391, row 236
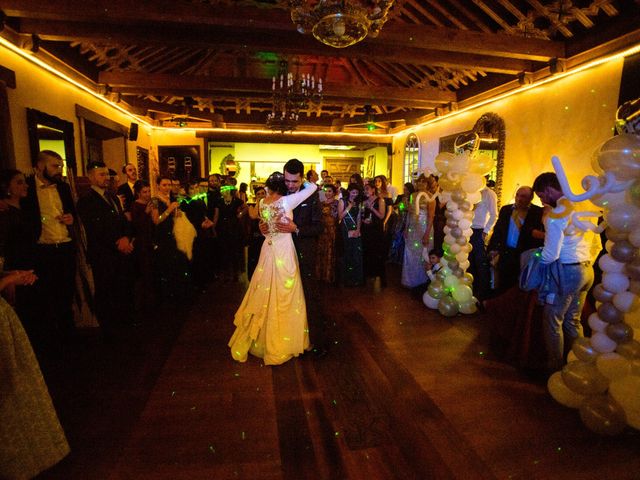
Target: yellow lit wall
column 270, row 157
column 569, row 118
column 41, row 90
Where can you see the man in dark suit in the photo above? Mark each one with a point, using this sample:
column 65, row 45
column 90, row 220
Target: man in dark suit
column 49, row 206
column 305, row 228
column 109, row 243
column 519, row 228
column 125, row 191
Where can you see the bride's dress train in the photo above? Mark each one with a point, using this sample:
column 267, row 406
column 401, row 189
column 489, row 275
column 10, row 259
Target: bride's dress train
column 271, row 322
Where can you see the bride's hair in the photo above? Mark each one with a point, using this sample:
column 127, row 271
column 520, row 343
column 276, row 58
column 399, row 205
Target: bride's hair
column 276, row 184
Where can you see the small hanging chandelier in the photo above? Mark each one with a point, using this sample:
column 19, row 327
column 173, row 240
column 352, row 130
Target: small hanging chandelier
column 340, row 23
column 291, row 93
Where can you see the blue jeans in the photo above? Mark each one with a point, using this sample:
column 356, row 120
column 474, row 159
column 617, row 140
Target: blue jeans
column 561, row 317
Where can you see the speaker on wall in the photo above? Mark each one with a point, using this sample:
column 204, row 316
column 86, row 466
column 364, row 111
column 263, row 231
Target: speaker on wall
column 133, row 132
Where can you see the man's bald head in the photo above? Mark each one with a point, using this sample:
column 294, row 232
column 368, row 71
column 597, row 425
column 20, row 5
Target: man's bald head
column 524, row 196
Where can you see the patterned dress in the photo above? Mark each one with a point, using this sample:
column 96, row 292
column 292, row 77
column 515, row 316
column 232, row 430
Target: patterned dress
column 31, row 438
column 326, row 256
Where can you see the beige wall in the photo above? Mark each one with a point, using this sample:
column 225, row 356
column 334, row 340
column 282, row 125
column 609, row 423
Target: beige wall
column 569, row 118
column 43, row 91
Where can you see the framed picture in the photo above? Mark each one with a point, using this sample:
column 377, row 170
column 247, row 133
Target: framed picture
column 181, row 162
column 370, row 167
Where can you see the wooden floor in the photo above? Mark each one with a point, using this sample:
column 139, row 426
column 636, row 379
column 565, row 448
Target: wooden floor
column 403, row 394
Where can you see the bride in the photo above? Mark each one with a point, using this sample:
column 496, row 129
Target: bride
column 271, row 322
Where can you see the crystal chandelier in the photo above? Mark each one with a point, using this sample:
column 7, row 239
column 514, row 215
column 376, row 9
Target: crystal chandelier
column 340, row 23
column 291, row 93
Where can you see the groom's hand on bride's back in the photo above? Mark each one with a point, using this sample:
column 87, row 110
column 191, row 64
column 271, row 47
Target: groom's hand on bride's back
column 287, row 226
column 264, row 228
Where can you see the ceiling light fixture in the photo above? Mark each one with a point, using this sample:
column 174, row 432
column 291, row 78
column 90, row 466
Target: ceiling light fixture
column 340, row 23
column 291, row 93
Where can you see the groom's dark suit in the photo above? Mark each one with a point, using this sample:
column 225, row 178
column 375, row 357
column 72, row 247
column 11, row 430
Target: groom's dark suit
column 105, row 223
column 308, row 218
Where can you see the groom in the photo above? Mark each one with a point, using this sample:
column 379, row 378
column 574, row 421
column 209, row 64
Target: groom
column 305, row 228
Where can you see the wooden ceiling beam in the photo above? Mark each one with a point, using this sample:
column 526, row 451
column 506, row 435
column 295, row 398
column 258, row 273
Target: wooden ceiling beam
column 180, row 85
column 423, row 38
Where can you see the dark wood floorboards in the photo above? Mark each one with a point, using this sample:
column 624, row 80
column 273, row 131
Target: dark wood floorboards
column 403, row 394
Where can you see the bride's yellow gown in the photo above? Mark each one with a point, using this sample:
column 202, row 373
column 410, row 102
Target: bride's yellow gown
column 271, row 322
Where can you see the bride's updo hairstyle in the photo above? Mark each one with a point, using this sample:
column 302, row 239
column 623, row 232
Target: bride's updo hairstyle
column 276, row 184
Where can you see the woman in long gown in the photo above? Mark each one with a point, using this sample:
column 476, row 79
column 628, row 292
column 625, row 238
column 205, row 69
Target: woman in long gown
column 171, row 265
column 417, row 236
column 350, row 217
column 31, row 438
column 326, row 256
column 271, row 322
column 373, row 241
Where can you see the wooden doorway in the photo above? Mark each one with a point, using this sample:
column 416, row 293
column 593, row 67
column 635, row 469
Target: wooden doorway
column 342, row 168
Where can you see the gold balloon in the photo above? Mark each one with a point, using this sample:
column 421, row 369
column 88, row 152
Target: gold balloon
column 584, row 378
column 583, row 350
column 603, row 415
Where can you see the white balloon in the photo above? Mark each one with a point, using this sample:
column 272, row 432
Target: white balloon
column 609, row 265
column 602, row 343
column 451, row 206
column 613, row 365
column 609, row 200
column 449, row 239
column 474, row 197
column 464, row 224
column 451, row 281
column 468, row 232
column 457, row 214
column 429, row 301
column 455, row 248
column 563, row 394
column 615, row 282
column 472, row 182
column 596, row 324
column 626, row 302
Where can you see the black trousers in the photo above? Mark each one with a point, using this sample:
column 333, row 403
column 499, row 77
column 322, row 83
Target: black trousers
column 113, row 278
column 51, row 312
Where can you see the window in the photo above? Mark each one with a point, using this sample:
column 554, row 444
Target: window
column 411, row 158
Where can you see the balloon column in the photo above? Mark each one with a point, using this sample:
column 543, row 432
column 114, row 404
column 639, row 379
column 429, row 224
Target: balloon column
column 461, row 179
column 602, row 377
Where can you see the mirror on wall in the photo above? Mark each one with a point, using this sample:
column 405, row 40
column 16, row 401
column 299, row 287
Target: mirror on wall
column 491, row 130
column 47, row 132
column 411, row 160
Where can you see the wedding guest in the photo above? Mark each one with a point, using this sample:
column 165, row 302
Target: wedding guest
column 576, row 251
column 31, row 437
column 143, row 227
column 256, row 238
column 126, row 190
column 350, row 228
column 519, row 228
column 326, row 256
column 373, row 242
column 109, row 244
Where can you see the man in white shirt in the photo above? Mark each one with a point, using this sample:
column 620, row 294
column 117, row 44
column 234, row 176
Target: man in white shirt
column 50, row 209
column 576, row 251
column 485, row 216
